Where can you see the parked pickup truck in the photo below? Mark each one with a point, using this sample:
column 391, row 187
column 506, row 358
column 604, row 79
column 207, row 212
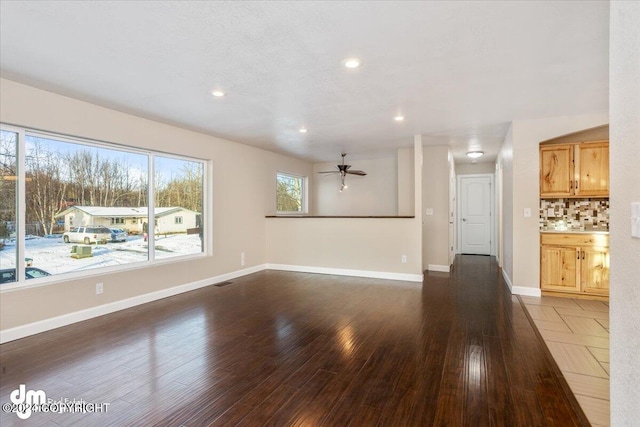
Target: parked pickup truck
column 87, row 235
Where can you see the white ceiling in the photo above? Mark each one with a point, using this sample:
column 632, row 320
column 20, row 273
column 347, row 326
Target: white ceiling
column 458, row 71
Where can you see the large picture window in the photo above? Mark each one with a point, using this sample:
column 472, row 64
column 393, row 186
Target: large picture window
column 290, row 193
column 87, row 206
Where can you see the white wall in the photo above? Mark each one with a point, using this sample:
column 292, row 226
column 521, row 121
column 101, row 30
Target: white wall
column 373, row 194
column 624, row 102
column 505, row 164
column 406, row 181
column 473, row 168
column 243, row 180
column 360, row 244
column 435, row 196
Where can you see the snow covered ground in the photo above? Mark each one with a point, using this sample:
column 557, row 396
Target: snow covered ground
column 54, row 256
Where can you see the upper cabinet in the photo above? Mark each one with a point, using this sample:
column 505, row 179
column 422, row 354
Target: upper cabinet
column 556, row 170
column 574, row 170
column 592, row 169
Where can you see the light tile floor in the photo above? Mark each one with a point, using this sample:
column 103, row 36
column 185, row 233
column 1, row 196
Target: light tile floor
column 576, row 332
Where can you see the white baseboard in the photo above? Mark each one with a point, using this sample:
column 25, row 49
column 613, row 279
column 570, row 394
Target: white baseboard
column 345, row 272
column 520, row 290
column 89, row 313
column 507, row 279
column 530, row 292
column 436, row 267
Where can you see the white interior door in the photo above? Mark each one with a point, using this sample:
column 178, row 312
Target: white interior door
column 475, row 214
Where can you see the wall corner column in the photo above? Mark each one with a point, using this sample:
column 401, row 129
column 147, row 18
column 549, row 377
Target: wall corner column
column 418, row 161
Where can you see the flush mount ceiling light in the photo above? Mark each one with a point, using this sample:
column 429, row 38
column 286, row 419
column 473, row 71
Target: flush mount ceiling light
column 303, row 130
column 218, row 93
column 398, row 118
column 351, row 62
column 475, row 154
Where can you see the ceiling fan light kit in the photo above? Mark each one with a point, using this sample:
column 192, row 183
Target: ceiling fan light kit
column 343, row 170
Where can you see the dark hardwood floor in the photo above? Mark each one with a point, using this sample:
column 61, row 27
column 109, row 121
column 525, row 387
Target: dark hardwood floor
column 281, row 348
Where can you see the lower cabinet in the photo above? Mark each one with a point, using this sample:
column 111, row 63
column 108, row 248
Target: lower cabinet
column 594, row 275
column 575, row 263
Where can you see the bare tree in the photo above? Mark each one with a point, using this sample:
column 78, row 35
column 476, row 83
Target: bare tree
column 46, row 189
column 184, row 189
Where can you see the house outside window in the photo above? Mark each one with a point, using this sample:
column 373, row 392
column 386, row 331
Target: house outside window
column 178, row 220
column 290, row 193
column 117, row 221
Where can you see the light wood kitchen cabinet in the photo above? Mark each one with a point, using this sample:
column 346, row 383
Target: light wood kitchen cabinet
column 592, row 169
column 575, row 263
column 574, row 170
column 558, row 270
column 556, row 170
column 594, row 276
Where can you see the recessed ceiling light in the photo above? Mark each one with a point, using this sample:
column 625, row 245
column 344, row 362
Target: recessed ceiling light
column 303, row 130
column 218, row 93
column 398, row 118
column 475, row 154
column 351, row 63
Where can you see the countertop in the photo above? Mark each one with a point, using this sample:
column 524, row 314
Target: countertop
column 606, row 232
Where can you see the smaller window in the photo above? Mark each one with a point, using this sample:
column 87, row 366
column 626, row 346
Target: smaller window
column 117, row 221
column 290, row 193
column 178, row 220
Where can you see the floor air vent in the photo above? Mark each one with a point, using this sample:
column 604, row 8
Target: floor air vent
column 221, row 284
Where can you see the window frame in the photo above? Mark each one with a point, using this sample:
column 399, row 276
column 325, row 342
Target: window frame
column 23, row 283
column 20, row 204
column 304, row 204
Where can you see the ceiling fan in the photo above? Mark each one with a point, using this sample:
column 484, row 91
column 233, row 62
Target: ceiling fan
column 343, row 170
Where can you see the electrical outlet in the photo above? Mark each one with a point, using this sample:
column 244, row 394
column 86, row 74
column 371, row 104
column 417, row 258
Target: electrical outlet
column 242, row 258
column 99, row 288
column 527, row 212
column 403, row 258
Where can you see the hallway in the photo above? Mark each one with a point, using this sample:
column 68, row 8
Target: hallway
column 282, row 348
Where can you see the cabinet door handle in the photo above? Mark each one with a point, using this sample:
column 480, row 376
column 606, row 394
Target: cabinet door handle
column 582, row 254
column 578, row 255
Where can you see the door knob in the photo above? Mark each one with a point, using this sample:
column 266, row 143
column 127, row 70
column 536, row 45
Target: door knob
column 464, row 219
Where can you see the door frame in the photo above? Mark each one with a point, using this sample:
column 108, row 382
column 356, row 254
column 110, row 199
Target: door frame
column 492, row 193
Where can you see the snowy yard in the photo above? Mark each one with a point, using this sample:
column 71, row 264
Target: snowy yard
column 54, row 256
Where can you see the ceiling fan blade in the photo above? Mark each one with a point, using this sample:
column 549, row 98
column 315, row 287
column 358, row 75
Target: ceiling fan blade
column 329, row 172
column 361, row 173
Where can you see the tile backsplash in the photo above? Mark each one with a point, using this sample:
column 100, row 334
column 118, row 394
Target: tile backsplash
column 574, row 214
